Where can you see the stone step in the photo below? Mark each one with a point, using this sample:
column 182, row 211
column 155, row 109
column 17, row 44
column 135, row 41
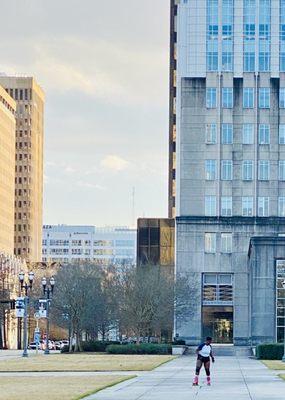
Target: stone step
column 226, row 351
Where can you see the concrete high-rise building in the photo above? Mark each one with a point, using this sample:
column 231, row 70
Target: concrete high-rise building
column 7, row 171
column 230, row 176
column 29, row 165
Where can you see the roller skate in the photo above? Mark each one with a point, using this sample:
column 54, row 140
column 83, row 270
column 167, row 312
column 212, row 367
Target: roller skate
column 196, row 381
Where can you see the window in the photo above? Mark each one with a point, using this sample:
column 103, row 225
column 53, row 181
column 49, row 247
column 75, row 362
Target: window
column 247, row 170
column 210, row 170
column 248, row 97
column 227, row 35
column 227, row 97
column 282, row 98
column 282, row 134
column 264, row 35
column 247, row 206
column 211, row 101
column 282, row 35
column 264, row 134
column 217, row 289
column 210, row 206
column 226, row 242
column 282, row 170
column 247, row 133
column 263, row 206
column 211, row 133
column 210, row 243
column 281, row 206
column 264, row 98
column 226, row 206
column 212, row 34
column 227, row 133
column 263, row 170
column 226, row 170
column 280, row 303
column 249, row 35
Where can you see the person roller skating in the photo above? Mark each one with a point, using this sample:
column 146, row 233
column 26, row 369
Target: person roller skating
column 204, row 355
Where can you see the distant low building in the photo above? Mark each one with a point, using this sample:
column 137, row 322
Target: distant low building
column 103, row 246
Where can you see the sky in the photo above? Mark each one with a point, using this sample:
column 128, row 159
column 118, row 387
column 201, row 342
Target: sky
column 104, row 68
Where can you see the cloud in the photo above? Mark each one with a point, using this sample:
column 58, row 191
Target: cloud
column 114, row 163
column 69, row 170
column 90, row 185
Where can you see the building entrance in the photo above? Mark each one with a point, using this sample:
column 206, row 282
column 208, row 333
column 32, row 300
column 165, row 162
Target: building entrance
column 218, row 323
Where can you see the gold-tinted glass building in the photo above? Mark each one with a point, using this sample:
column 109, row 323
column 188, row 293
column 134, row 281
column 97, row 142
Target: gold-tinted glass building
column 7, row 171
column 155, row 241
column 29, row 98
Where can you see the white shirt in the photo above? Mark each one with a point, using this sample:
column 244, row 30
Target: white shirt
column 205, row 351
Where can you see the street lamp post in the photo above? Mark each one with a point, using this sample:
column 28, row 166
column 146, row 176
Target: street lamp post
column 26, row 287
column 283, row 359
column 48, row 291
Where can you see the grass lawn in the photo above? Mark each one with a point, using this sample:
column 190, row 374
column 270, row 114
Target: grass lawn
column 273, row 364
column 54, row 388
column 84, row 362
column 282, row 376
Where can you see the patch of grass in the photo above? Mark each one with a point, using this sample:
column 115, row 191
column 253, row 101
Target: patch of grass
column 84, row 362
column 274, row 364
column 55, row 388
column 282, row 376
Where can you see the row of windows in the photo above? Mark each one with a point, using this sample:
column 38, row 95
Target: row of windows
column 227, row 131
column 88, row 252
column 226, row 170
column 248, row 97
column 97, row 243
column 20, row 94
column 247, row 206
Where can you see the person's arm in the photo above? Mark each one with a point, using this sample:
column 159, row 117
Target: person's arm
column 212, row 355
column 199, row 348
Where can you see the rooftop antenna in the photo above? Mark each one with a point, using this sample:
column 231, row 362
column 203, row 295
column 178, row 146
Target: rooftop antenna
column 133, row 206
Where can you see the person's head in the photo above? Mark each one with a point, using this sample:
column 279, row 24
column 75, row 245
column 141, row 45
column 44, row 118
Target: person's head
column 208, row 340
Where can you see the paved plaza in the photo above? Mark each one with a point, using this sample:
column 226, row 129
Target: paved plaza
column 237, row 378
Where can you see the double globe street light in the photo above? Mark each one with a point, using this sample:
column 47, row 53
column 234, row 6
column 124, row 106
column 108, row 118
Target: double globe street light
column 26, row 287
column 48, row 288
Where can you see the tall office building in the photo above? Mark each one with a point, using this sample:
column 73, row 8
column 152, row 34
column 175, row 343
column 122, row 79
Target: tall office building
column 172, row 110
column 29, row 165
column 7, row 171
column 230, row 180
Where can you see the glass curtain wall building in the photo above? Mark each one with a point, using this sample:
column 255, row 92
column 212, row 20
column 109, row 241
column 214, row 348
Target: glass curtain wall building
column 230, row 158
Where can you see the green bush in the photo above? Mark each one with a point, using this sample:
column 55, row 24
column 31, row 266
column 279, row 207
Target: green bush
column 96, row 346
column 270, row 351
column 144, row 348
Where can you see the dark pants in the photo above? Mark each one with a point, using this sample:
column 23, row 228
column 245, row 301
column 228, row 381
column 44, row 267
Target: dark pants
column 203, row 361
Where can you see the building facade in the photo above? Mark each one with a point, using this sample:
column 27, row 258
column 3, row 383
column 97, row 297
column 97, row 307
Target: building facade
column 155, row 242
column 7, row 171
column 230, row 154
column 67, row 244
column 29, row 99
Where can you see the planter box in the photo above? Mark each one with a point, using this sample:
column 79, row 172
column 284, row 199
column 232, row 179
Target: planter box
column 178, row 350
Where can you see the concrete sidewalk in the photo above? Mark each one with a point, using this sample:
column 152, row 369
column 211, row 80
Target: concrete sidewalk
column 237, row 378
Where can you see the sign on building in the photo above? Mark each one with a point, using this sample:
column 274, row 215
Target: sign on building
column 20, row 307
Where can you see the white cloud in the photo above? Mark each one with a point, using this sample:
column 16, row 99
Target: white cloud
column 90, row 185
column 114, row 163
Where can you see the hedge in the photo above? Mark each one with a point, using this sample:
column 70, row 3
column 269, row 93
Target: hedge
column 270, row 351
column 144, row 348
column 96, row 346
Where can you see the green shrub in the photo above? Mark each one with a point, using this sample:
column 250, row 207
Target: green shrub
column 96, row 346
column 144, row 348
column 270, row 351
column 179, row 342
